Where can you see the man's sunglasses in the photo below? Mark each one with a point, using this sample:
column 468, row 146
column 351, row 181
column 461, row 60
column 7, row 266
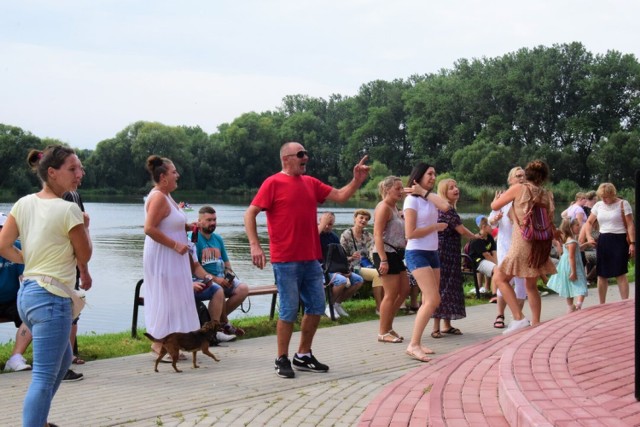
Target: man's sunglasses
column 300, row 154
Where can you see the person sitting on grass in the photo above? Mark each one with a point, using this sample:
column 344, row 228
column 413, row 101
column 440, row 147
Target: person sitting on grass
column 344, row 285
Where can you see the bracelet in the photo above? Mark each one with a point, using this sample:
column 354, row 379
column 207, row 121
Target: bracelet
column 383, row 262
column 175, row 245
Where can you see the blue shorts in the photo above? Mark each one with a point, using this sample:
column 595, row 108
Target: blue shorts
column 208, row 293
column 340, row 280
column 417, row 258
column 297, row 281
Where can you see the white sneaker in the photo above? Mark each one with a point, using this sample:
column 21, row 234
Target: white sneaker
column 222, row 337
column 482, row 290
column 517, row 324
column 337, row 308
column 17, row 363
column 327, row 312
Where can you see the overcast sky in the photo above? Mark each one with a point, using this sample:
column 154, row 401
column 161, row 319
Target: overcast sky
column 81, row 71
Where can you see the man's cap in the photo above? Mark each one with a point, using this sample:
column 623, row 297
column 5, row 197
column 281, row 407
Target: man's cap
column 3, row 218
column 478, row 219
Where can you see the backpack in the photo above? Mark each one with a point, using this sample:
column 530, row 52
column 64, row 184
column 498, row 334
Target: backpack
column 336, row 259
column 538, row 229
column 467, row 262
column 536, row 224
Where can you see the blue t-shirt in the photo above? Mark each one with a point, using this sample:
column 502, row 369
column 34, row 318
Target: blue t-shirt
column 10, row 278
column 208, row 255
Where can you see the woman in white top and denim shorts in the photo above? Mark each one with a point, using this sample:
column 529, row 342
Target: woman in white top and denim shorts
column 421, row 230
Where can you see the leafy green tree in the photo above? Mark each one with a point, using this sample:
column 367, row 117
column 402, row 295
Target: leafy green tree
column 482, row 163
column 617, row 160
column 15, row 174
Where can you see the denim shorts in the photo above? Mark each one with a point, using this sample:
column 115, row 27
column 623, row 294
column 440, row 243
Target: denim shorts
column 339, row 280
column 417, row 258
column 302, row 280
column 208, row 293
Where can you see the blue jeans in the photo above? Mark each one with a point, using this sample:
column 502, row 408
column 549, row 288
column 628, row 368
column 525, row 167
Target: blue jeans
column 299, row 281
column 48, row 316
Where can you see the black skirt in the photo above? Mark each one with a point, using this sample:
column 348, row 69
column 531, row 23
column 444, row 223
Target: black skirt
column 612, row 255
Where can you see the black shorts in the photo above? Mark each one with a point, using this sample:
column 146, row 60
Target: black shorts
column 9, row 310
column 395, row 260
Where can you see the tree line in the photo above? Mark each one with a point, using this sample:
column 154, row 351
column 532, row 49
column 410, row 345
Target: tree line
column 578, row 111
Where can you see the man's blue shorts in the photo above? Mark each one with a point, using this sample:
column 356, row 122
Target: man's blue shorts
column 297, row 281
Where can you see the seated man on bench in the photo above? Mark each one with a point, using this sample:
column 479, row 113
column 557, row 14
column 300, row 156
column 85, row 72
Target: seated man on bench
column 205, row 289
column 213, row 257
column 483, row 253
column 345, row 285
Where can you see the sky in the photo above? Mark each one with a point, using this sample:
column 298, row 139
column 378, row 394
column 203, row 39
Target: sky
column 81, row 71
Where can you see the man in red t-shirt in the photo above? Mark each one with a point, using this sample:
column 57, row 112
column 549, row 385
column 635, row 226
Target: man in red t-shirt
column 290, row 199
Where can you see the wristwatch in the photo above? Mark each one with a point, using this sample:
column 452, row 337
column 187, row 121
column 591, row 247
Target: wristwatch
column 207, row 279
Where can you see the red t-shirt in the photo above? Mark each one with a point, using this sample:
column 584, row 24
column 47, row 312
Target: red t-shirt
column 291, row 204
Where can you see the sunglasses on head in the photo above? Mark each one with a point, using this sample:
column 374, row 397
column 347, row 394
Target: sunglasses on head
column 300, row 154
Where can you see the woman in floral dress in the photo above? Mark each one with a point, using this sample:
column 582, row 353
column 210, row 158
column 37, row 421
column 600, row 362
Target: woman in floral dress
column 449, row 243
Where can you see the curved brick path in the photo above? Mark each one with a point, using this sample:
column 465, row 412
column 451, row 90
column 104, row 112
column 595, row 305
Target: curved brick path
column 576, row 370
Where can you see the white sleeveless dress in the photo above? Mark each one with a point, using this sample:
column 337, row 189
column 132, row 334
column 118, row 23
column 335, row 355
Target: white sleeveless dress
column 169, row 304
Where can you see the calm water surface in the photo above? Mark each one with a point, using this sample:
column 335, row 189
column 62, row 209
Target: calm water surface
column 116, row 265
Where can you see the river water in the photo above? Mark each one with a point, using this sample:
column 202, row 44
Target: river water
column 116, row 265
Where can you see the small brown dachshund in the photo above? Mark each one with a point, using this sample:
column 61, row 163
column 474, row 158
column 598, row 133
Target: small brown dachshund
column 187, row 341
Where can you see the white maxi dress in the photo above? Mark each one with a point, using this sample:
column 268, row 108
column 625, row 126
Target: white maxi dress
column 169, row 304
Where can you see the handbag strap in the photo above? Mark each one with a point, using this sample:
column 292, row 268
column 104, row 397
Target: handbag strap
column 353, row 237
column 624, row 220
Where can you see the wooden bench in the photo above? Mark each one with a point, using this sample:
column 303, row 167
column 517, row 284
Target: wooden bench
column 138, row 300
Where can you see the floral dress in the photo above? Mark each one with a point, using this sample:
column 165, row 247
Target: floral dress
column 451, row 292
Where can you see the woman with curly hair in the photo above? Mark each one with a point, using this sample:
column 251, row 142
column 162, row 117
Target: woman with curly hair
column 527, row 259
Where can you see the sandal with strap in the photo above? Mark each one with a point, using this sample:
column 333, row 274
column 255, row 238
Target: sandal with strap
column 395, row 334
column 436, row 334
column 388, row 337
column 418, row 355
column 499, row 323
column 77, row 360
column 452, row 331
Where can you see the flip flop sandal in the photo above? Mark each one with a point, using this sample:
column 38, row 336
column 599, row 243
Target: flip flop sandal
column 388, row 337
column 499, row 323
column 436, row 334
column 77, row 361
column 452, row 331
column 418, row 356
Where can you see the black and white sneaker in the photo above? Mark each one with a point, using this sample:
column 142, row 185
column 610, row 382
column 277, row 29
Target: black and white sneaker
column 308, row 363
column 72, row 376
column 283, row 367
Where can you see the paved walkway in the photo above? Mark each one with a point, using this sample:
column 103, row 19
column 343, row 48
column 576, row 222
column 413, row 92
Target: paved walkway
column 243, row 389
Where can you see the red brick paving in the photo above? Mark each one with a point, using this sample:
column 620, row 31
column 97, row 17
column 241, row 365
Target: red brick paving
column 576, row 370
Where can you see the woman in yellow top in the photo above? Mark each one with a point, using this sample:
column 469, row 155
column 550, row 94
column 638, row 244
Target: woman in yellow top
column 55, row 238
